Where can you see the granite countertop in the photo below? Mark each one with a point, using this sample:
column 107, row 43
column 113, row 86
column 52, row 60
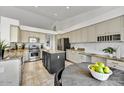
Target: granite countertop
column 54, row 51
column 100, row 55
column 79, row 75
column 13, row 54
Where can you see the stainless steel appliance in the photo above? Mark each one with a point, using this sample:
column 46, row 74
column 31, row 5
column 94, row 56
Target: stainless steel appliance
column 63, row 44
column 34, row 53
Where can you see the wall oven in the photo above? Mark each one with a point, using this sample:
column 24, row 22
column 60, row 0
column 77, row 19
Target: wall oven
column 34, row 53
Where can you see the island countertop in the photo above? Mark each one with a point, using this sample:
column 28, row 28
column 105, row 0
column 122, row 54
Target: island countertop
column 54, row 51
column 79, row 75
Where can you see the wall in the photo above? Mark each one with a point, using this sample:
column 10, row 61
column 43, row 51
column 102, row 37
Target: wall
column 98, row 47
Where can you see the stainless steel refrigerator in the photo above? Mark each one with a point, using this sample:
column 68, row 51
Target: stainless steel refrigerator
column 63, row 44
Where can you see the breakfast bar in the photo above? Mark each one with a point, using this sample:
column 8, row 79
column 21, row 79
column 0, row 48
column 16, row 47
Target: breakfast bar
column 79, row 75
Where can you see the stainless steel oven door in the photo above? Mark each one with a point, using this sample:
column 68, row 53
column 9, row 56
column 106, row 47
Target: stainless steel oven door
column 34, row 56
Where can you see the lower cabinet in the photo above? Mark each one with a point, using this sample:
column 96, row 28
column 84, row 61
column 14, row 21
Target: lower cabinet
column 77, row 56
column 53, row 61
column 95, row 59
column 115, row 64
column 10, row 72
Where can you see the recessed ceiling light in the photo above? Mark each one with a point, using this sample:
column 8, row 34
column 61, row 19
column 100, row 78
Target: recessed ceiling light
column 55, row 14
column 67, row 7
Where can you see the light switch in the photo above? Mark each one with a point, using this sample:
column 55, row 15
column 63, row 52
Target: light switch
column 58, row 57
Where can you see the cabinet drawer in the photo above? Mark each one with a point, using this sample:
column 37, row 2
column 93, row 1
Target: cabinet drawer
column 98, row 59
column 115, row 64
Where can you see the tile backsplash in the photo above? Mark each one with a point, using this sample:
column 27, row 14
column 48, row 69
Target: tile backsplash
column 98, row 47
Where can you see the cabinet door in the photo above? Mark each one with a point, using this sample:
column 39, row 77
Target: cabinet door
column 91, row 32
column 114, row 26
column 115, row 64
column 78, row 36
column 24, row 36
column 14, row 34
column 102, row 28
column 84, row 35
column 98, row 59
column 72, row 37
column 42, row 38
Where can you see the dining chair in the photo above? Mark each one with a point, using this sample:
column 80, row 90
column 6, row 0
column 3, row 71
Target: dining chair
column 57, row 78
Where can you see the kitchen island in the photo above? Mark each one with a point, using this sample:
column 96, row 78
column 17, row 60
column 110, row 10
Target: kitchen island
column 53, row 60
column 79, row 75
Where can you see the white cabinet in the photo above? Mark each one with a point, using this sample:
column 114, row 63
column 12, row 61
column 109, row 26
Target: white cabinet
column 14, row 34
column 115, row 64
column 110, row 27
column 76, row 57
column 10, row 72
column 102, row 28
column 24, row 36
column 5, row 28
column 114, row 26
column 78, row 36
column 91, row 32
column 84, row 34
column 95, row 59
column 42, row 38
column 72, row 37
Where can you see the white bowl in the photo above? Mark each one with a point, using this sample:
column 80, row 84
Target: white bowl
column 100, row 76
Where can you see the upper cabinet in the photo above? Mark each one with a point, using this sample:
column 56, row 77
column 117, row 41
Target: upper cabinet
column 14, row 34
column 6, row 24
column 110, row 30
column 102, row 28
column 84, row 37
column 78, row 36
column 42, row 38
column 115, row 28
column 91, row 33
column 114, row 25
column 73, row 37
column 26, row 34
column 109, row 27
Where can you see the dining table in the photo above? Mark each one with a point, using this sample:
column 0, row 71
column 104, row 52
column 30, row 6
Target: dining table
column 78, row 74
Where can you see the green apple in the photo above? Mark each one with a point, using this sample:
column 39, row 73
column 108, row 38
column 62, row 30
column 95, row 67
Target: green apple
column 106, row 69
column 99, row 69
column 93, row 68
column 96, row 64
column 101, row 64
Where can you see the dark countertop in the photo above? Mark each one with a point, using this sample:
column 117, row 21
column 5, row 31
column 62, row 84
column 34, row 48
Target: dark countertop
column 79, row 75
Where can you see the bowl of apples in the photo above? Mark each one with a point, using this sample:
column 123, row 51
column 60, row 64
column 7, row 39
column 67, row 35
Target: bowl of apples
column 99, row 71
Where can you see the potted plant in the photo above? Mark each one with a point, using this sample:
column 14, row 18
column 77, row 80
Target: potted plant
column 2, row 49
column 109, row 50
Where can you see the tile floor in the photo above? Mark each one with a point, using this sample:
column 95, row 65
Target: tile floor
column 34, row 74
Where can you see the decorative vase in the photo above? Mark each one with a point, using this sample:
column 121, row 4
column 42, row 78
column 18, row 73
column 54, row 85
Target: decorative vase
column 1, row 54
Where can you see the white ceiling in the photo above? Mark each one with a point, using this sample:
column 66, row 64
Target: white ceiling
column 58, row 13
column 43, row 16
